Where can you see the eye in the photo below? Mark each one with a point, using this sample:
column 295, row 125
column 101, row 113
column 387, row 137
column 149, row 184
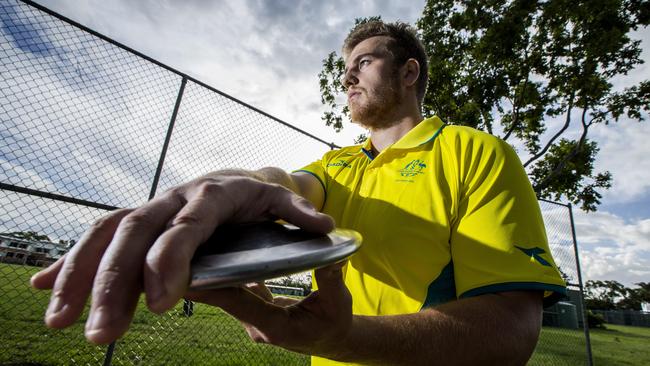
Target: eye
column 363, row 63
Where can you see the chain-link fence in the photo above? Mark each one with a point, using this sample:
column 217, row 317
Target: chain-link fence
column 89, row 125
column 565, row 335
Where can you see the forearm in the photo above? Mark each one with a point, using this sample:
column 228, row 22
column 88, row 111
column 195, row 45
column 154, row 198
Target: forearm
column 475, row 331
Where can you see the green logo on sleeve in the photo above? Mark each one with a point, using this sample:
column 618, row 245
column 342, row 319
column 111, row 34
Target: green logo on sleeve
column 535, row 254
column 341, row 163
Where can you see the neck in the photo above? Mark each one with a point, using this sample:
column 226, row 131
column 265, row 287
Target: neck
column 381, row 138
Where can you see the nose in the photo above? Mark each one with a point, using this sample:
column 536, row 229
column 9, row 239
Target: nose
column 349, row 79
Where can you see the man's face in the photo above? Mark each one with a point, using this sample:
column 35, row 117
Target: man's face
column 372, row 82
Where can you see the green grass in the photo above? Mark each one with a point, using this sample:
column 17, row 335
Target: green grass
column 211, row 337
column 208, row 337
column 616, row 345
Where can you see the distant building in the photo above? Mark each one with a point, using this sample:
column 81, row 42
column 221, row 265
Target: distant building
column 286, row 290
column 30, row 252
column 645, row 307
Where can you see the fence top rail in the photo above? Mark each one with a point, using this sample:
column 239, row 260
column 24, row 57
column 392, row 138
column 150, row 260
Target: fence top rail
column 553, row 202
column 170, row 69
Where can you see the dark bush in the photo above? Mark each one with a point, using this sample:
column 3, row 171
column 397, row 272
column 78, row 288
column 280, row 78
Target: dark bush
column 595, row 320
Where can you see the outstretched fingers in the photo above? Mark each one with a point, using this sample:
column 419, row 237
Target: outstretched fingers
column 71, row 277
column 118, row 281
column 151, row 248
column 44, row 279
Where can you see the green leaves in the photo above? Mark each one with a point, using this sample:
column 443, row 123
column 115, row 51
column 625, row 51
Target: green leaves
column 611, row 295
column 567, row 170
column 330, row 85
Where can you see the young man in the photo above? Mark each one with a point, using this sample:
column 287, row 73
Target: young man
column 455, row 265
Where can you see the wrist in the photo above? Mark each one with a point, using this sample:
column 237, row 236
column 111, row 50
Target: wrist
column 340, row 345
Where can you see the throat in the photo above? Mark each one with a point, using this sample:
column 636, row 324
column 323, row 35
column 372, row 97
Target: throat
column 382, row 138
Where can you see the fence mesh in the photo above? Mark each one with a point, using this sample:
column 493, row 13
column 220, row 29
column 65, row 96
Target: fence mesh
column 86, row 119
column 84, row 126
column 563, row 340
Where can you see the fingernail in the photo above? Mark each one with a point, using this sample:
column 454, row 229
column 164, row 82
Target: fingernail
column 35, row 275
column 56, row 305
column 155, row 293
column 98, row 320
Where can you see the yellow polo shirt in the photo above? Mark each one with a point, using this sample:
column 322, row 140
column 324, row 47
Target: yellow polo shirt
column 445, row 212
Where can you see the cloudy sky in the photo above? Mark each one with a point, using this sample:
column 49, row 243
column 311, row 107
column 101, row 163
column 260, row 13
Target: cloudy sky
column 268, row 54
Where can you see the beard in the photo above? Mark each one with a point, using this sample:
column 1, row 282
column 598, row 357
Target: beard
column 376, row 109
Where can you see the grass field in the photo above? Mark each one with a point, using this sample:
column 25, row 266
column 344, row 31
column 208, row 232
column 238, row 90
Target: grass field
column 210, row 337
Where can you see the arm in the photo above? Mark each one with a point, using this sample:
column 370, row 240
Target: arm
column 493, row 329
column 150, row 248
column 483, row 330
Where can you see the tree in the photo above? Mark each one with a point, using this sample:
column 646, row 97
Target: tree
column 28, row 235
column 68, row 243
column 34, row 236
column 635, row 297
column 603, row 295
column 520, row 68
column 612, row 295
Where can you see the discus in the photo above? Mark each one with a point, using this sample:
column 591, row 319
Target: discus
column 244, row 253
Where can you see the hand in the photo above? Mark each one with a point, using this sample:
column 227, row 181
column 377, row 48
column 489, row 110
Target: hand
column 315, row 326
column 150, row 248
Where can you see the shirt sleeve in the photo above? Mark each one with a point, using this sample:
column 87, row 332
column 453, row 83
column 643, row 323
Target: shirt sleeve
column 317, row 169
column 498, row 240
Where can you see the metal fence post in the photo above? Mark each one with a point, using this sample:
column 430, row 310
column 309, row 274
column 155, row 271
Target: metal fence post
column 585, row 319
column 161, row 161
column 109, row 354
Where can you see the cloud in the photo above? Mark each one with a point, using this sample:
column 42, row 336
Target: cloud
column 88, row 120
column 624, row 151
column 68, row 115
column 25, row 35
column 57, row 220
column 612, row 248
column 265, row 53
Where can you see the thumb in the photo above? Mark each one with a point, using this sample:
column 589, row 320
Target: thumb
column 330, row 279
column 300, row 212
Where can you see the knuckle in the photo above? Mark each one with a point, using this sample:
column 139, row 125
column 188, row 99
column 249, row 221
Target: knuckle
column 106, row 278
column 275, row 191
column 64, row 287
column 210, row 188
column 138, row 218
column 188, row 219
column 107, row 221
column 223, row 191
column 176, row 194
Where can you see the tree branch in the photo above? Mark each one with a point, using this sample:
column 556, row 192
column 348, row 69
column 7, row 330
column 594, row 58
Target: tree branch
column 515, row 104
column 567, row 122
column 558, row 168
column 515, row 120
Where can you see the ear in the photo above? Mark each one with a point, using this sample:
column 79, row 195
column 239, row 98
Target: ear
column 410, row 72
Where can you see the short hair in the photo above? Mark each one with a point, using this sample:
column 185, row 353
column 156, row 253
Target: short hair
column 404, row 45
